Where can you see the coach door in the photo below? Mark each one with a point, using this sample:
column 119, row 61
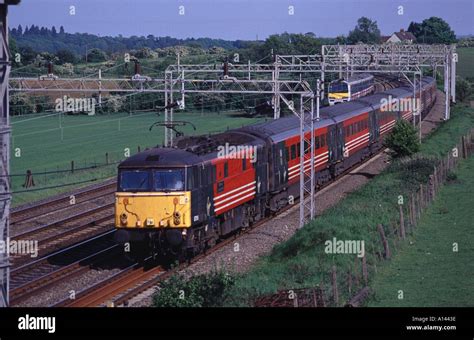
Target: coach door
column 281, row 164
column 374, row 126
column 335, row 142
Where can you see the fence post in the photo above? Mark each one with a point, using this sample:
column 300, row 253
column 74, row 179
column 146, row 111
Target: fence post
column 356, row 272
column 402, row 222
column 72, row 166
column 29, row 181
column 432, row 187
column 413, row 207
column 422, row 196
column 365, row 272
column 410, row 214
column 138, row 148
column 386, row 248
column 464, row 146
column 107, row 158
column 335, row 292
column 349, row 281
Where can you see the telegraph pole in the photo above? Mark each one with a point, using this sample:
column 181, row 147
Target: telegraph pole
column 5, row 194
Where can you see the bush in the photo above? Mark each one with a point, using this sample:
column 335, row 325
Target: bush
column 463, row 89
column 206, row 290
column 403, row 141
column 96, row 55
column 413, row 171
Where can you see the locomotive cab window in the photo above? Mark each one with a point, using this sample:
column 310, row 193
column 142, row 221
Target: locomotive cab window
column 168, row 180
column 134, row 180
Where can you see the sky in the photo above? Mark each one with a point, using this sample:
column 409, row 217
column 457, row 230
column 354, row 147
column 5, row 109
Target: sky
column 235, row 19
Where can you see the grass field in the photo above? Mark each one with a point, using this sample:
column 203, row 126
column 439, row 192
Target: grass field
column 427, row 269
column 465, row 66
column 302, row 262
column 39, row 144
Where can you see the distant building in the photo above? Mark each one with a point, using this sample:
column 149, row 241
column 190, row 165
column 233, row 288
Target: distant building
column 402, row 37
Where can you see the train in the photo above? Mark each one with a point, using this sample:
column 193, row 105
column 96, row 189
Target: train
column 177, row 202
column 356, row 86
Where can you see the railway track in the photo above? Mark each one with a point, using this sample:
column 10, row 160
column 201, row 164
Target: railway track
column 386, row 83
column 134, row 280
column 41, row 274
column 38, row 209
column 66, row 231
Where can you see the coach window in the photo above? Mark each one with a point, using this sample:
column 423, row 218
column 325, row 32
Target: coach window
column 317, row 142
column 226, row 169
column 293, row 151
column 287, row 154
column 244, row 164
column 323, row 140
column 298, row 146
column 306, row 147
column 216, row 175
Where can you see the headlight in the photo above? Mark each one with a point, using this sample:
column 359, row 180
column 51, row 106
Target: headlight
column 123, row 219
column 177, row 218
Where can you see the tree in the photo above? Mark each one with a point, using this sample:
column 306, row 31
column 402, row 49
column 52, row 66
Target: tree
column 433, row 31
column 13, row 48
column 114, row 103
column 66, row 56
column 415, row 28
column 21, row 103
column 96, row 55
column 341, row 40
column 20, row 30
column 54, row 32
column 366, row 31
column 61, row 30
column 27, row 54
column 403, row 140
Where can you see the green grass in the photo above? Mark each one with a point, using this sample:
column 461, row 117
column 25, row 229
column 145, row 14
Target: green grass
column 86, row 139
column 427, row 270
column 302, row 262
column 465, row 66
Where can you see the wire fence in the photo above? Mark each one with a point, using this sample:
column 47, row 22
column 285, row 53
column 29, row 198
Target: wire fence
column 353, row 282
column 76, row 172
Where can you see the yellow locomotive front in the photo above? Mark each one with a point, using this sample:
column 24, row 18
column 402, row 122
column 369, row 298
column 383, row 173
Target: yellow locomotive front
column 152, row 199
column 152, row 206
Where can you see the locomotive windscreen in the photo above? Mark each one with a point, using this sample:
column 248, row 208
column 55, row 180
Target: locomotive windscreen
column 337, row 87
column 152, row 180
column 135, row 180
column 165, row 180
